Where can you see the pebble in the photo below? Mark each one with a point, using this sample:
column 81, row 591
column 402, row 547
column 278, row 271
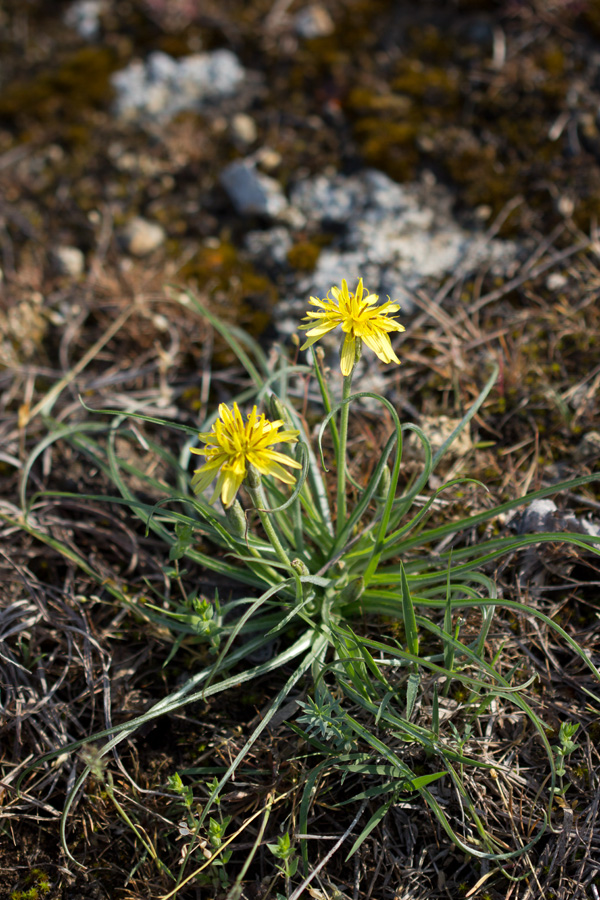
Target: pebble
column 589, row 446
column 556, row 281
column 269, row 247
column 160, row 87
column 543, row 515
column 251, row 192
column 141, row 237
column 313, row 22
column 267, row 158
column 244, row 128
column 83, row 16
column 68, row 261
column 438, row 429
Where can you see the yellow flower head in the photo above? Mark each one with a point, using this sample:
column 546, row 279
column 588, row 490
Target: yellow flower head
column 231, row 445
column 360, row 319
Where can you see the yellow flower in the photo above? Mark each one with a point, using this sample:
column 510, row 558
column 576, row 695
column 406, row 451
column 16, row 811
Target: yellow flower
column 231, row 445
column 360, row 319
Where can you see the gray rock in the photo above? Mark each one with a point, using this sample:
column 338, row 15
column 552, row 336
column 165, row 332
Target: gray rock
column 159, row 88
column 269, row 247
column 544, row 516
column 589, row 446
column 396, row 237
column 328, row 200
column 84, row 17
column 251, row 192
column 68, row 261
column 141, row 237
column 313, row 21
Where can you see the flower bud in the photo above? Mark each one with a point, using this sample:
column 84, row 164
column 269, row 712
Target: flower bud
column 278, row 410
column 357, row 350
column 252, row 478
column 383, row 488
column 300, row 567
column 236, row 518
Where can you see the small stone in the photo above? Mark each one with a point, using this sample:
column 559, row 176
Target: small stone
column 268, row 159
column 566, row 206
column 313, row 22
column 141, row 237
column 251, row 192
column 269, row 247
column 556, row 281
column 83, row 16
column 68, row 261
column 483, row 212
column 292, row 217
column 244, row 128
column 589, row 446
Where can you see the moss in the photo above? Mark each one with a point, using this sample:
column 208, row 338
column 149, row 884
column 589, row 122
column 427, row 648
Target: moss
column 35, row 886
column 392, row 148
column 304, row 255
column 80, row 82
column 488, row 135
column 220, row 270
column 434, row 86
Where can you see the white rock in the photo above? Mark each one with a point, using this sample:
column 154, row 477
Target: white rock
column 141, row 237
column 271, row 246
column 313, row 21
column 162, row 86
column 68, row 261
column 251, row 192
column 395, row 236
column 268, row 158
column 556, row 281
column 84, row 17
column 589, row 446
column 244, row 128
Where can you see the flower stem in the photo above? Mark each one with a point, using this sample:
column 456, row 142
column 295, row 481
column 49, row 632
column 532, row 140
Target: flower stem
column 341, row 475
column 257, row 495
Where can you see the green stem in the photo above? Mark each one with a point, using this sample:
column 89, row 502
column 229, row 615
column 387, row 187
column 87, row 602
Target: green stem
column 257, row 495
column 326, row 401
column 108, row 783
column 341, row 456
column 297, row 521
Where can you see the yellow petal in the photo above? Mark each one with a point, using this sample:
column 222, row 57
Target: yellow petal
column 320, row 330
column 231, row 479
column 358, row 293
column 380, row 344
column 348, row 354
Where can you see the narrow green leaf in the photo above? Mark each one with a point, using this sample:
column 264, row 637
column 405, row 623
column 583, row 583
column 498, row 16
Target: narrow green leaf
column 412, row 690
column 408, row 614
column 435, row 712
column 371, row 824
